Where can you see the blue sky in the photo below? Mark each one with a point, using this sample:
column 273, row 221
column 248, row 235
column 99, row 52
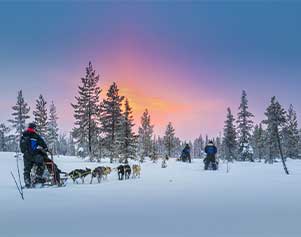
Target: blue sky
column 207, row 52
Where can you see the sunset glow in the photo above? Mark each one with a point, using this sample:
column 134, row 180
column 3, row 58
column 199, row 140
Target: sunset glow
column 179, row 61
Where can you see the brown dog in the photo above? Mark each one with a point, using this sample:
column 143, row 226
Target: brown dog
column 136, row 171
column 98, row 173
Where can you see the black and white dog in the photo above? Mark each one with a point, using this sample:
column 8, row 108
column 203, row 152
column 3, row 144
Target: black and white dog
column 124, row 172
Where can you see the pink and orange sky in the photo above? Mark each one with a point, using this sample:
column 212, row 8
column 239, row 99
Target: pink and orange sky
column 185, row 62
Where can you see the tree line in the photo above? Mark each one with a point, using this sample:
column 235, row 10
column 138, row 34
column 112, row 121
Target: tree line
column 104, row 128
column 243, row 140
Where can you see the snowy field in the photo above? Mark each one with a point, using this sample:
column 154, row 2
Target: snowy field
column 253, row 199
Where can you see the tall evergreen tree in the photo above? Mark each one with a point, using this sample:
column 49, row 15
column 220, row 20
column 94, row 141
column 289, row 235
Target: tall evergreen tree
column 218, row 144
column 129, row 139
column 291, row 134
column 244, row 124
column 198, row 147
column 20, row 115
column 258, row 141
column 229, row 140
column 169, row 139
column 276, row 119
column 53, row 128
column 41, row 117
column 86, row 113
column 154, row 153
column 112, row 121
column 4, row 137
column 145, row 134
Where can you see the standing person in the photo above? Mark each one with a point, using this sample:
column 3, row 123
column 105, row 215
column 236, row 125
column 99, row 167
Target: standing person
column 32, row 155
column 186, row 154
column 211, row 151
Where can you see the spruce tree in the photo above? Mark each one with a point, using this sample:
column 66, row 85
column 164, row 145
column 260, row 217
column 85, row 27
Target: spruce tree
column 218, row 144
column 53, row 128
column 276, row 119
column 154, row 153
column 4, row 137
column 258, row 141
column 20, row 115
column 198, row 147
column 244, row 124
column 290, row 134
column 86, row 113
column 160, row 146
column 169, row 139
column 112, row 121
column 129, row 139
column 229, row 140
column 145, row 133
column 41, row 117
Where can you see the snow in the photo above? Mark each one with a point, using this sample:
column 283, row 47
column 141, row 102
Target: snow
column 252, row 200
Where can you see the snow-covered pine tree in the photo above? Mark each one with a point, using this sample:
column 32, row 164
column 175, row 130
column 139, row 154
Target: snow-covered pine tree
column 41, row 117
column 276, row 119
column 290, row 134
column 86, row 113
column 258, row 142
column 198, row 147
column 112, row 122
column 218, row 144
column 52, row 128
column 206, row 139
column 145, row 133
column 244, row 125
column 160, row 146
column 299, row 143
column 178, row 147
column 229, row 140
column 169, row 139
column 4, row 137
column 20, row 115
column 129, row 139
column 154, row 153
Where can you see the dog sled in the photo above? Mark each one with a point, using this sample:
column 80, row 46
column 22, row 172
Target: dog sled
column 52, row 175
column 210, row 165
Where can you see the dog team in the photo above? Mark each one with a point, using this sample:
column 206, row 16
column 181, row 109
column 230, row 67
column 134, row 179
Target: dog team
column 101, row 173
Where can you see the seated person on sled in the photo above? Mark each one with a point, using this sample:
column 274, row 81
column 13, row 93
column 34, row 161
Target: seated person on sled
column 185, row 156
column 211, row 151
column 34, row 151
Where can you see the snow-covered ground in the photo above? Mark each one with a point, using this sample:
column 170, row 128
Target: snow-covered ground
column 253, row 199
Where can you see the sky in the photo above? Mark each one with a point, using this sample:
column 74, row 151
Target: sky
column 184, row 61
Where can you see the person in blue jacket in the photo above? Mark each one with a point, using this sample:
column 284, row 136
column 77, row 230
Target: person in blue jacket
column 32, row 155
column 186, row 154
column 210, row 151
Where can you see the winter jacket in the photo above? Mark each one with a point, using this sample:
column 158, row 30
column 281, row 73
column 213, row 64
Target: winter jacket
column 185, row 152
column 35, row 141
column 210, row 149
